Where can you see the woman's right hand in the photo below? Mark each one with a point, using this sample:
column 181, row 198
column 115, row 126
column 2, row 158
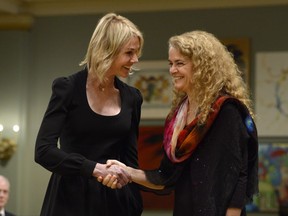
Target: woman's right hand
column 112, row 180
column 112, row 175
column 115, row 162
column 136, row 175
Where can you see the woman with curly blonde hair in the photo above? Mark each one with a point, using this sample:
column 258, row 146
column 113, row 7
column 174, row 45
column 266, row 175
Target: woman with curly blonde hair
column 214, row 71
column 210, row 139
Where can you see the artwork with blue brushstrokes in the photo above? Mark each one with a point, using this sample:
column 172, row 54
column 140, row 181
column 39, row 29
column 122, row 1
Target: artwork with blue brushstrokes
column 271, row 84
column 273, row 178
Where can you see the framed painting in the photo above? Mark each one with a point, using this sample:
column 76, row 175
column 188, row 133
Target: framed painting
column 273, row 178
column 240, row 48
column 150, row 155
column 271, row 94
column 154, row 82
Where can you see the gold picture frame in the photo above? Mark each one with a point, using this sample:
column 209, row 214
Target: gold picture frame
column 154, row 82
column 240, row 48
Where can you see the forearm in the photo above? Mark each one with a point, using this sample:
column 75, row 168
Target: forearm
column 138, row 176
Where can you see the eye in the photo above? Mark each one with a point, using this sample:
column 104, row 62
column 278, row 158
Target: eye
column 179, row 64
column 130, row 53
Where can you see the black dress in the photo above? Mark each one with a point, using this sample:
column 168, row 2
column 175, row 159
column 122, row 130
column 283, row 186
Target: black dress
column 86, row 138
column 215, row 177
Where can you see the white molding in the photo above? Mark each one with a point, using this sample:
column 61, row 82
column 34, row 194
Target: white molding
column 64, row 7
column 34, row 8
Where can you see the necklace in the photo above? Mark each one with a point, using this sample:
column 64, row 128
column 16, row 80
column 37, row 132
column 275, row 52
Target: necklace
column 101, row 88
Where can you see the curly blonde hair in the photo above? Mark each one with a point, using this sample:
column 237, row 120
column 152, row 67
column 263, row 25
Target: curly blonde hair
column 110, row 35
column 215, row 72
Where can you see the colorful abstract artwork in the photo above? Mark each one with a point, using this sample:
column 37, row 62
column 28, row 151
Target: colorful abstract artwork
column 271, row 84
column 273, row 178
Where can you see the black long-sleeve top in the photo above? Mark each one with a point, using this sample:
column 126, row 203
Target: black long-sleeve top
column 86, row 138
column 215, row 177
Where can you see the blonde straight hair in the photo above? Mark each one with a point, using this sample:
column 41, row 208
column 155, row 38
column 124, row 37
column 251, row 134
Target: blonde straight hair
column 110, row 35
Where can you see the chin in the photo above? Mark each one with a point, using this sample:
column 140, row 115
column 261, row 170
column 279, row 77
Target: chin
column 178, row 88
column 123, row 75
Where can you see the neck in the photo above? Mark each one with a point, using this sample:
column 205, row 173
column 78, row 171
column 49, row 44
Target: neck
column 105, row 85
column 192, row 107
column 192, row 103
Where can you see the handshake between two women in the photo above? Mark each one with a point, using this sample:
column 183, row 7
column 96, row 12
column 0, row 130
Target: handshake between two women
column 115, row 175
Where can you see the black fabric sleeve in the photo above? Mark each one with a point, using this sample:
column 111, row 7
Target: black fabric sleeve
column 130, row 152
column 167, row 175
column 47, row 152
column 129, row 155
column 238, row 199
column 247, row 184
column 230, row 132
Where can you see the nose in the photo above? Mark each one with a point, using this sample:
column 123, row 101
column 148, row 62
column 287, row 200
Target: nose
column 134, row 58
column 172, row 69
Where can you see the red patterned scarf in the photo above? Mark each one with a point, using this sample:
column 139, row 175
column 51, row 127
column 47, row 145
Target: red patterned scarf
column 180, row 141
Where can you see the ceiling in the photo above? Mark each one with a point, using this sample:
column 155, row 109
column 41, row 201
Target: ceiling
column 20, row 14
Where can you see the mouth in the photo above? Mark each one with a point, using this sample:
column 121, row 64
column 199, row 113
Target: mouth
column 128, row 68
column 175, row 78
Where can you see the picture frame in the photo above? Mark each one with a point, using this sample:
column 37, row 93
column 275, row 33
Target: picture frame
column 150, row 154
column 240, row 48
column 271, row 94
column 153, row 80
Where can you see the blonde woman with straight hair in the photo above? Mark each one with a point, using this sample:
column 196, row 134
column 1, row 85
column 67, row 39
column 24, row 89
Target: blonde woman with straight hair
column 210, row 139
column 94, row 116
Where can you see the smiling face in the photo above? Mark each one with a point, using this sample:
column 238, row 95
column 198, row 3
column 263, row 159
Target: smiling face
column 127, row 56
column 180, row 70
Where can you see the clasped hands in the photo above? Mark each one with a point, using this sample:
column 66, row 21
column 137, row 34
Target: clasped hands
column 113, row 174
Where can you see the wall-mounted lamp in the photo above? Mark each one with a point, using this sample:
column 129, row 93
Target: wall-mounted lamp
column 7, row 145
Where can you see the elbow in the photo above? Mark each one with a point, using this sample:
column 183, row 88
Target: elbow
column 39, row 154
column 38, row 158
